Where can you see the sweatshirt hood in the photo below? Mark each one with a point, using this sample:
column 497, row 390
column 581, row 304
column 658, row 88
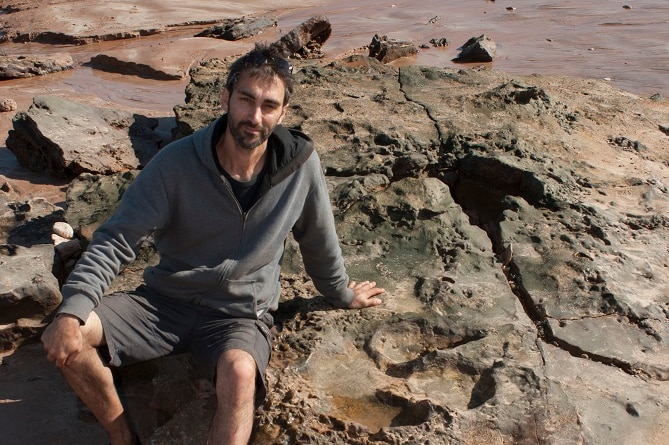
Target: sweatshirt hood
column 287, row 149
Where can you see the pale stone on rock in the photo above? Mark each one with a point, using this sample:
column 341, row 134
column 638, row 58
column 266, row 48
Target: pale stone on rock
column 8, row 105
column 63, row 229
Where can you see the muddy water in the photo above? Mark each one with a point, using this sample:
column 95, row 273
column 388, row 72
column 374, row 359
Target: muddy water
column 599, row 39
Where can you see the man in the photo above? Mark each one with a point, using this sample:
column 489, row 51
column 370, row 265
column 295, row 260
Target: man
column 219, row 205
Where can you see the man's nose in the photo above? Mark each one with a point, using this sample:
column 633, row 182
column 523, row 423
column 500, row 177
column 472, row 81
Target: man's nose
column 256, row 115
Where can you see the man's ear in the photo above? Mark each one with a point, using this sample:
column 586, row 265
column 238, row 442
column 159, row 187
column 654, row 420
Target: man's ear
column 225, row 97
column 283, row 113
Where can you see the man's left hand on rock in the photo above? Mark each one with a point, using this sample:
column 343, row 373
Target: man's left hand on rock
column 365, row 294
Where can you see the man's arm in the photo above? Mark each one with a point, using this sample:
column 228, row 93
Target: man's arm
column 316, row 233
column 143, row 209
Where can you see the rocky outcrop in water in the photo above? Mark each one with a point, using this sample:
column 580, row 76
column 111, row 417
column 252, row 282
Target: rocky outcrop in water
column 237, row 29
column 477, row 49
column 386, row 50
column 12, row 67
column 522, row 242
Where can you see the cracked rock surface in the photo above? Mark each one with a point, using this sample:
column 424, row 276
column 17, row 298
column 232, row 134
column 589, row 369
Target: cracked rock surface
column 524, row 255
column 518, row 224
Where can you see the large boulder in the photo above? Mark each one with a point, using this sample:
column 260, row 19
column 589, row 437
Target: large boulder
column 67, row 138
column 29, row 290
column 91, row 199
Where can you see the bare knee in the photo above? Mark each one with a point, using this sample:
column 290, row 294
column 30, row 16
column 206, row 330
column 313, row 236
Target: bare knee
column 92, row 332
column 235, row 373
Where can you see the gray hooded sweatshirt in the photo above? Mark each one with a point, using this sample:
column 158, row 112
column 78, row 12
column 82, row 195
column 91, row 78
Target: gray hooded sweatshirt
column 212, row 253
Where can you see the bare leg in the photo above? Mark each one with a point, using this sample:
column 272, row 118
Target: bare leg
column 94, row 384
column 235, row 392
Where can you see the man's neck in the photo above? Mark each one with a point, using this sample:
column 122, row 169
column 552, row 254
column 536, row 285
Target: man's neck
column 241, row 164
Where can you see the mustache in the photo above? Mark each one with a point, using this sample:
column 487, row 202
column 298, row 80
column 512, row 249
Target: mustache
column 247, row 123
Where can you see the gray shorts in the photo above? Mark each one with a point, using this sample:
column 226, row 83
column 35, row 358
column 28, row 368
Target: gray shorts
column 140, row 326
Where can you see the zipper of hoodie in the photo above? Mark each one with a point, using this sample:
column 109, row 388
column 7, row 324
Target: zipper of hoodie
column 244, row 214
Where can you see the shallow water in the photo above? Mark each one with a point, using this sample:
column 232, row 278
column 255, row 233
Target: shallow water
column 599, row 39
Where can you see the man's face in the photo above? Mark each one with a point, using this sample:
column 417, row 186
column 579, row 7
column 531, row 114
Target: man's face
column 254, row 108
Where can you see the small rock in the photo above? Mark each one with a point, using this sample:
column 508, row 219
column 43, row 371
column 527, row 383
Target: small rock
column 68, row 249
column 63, row 230
column 6, row 187
column 57, row 239
column 627, row 144
column 627, row 7
column 386, row 50
column 7, row 105
column 477, row 49
column 439, row 42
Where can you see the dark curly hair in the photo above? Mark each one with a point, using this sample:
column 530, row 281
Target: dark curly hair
column 263, row 61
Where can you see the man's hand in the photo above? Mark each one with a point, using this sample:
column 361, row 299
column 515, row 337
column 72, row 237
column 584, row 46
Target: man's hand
column 365, row 294
column 62, row 340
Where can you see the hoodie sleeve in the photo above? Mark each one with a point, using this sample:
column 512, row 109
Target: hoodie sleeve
column 143, row 209
column 316, row 234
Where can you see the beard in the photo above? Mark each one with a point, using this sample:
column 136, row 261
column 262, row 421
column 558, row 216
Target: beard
column 245, row 140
